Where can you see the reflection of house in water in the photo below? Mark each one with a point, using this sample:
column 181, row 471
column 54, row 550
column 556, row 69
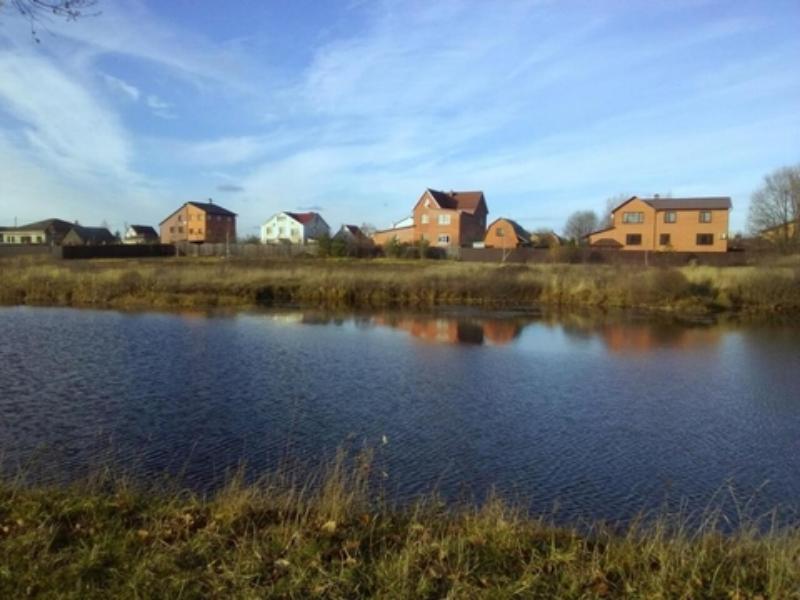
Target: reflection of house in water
column 455, row 331
column 636, row 338
column 500, row 332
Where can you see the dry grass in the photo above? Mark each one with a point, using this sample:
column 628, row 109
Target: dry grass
column 165, row 283
column 330, row 538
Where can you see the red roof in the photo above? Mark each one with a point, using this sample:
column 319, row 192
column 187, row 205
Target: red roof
column 466, row 201
column 303, row 218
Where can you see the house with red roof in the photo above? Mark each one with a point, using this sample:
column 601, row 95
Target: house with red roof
column 294, row 228
column 444, row 219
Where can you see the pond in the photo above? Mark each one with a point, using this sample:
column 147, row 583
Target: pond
column 577, row 416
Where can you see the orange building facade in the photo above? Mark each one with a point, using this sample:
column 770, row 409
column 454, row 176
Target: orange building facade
column 443, row 219
column 505, row 233
column 199, row 222
column 667, row 224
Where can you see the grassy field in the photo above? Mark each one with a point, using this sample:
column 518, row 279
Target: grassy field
column 330, row 538
column 188, row 282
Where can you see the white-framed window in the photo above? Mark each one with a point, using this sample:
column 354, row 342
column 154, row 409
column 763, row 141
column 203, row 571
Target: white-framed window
column 705, row 217
column 670, row 217
column 633, row 217
column 424, row 219
column 443, row 238
column 444, row 219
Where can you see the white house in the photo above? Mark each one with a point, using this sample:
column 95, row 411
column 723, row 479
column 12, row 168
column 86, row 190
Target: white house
column 296, row 228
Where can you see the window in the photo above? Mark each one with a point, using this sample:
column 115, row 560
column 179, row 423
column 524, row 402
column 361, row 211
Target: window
column 191, row 230
column 1, row 238
column 705, row 216
column 705, row 239
column 664, row 239
column 444, row 238
column 670, row 217
column 172, row 230
column 180, row 229
column 444, row 219
column 633, row 217
column 499, row 231
column 424, row 219
column 633, row 239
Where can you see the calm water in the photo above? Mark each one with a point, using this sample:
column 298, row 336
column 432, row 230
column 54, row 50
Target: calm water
column 596, row 418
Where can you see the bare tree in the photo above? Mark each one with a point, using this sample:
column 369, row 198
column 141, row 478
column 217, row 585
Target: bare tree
column 580, row 224
column 777, row 203
column 36, row 10
column 612, row 203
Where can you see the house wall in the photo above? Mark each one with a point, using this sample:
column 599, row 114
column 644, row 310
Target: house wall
column 282, row 227
column 683, row 233
column 494, row 239
column 315, row 229
column 404, row 235
column 193, row 224
column 433, row 229
column 21, row 236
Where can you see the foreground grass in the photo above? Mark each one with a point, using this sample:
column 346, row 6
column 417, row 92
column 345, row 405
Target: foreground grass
column 329, row 539
column 190, row 282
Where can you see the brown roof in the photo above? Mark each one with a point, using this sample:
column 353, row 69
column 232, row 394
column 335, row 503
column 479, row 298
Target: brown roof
column 466, row 201
column 305, row 217
column 708, row 203
column 522, row 234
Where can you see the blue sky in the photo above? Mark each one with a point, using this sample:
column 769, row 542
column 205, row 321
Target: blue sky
column 355, row 107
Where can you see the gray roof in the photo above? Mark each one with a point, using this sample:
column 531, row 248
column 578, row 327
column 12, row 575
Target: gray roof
column 94, row 235
column 144, row 230
column 212, row 209
column 52, row 225
column 708, row 203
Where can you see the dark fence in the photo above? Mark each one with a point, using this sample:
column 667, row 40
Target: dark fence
column 11, row 251
column 115, row 251
column 567, row 254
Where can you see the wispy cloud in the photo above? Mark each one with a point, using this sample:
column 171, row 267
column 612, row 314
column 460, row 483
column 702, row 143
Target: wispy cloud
column 159, row 107
column 122, row 87
column 230, row 187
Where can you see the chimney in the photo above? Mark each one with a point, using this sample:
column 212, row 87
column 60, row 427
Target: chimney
column 656, row 196
column 211, row 201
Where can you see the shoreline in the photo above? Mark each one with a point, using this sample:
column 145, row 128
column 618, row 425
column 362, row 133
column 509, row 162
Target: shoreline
column 768, row 291
column 331, row 535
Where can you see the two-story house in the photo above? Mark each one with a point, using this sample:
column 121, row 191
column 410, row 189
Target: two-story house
column 664, row 224
column 450, row 218
column 443, row 219
column 294, row 228
column 199, row 222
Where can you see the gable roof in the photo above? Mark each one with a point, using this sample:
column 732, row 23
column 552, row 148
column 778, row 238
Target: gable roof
column 304, row 217
column 143, row 230
column 466, row 201
column 695, row 203
column 522, row 234
column 212, row 209
column 93, row 235
column 50, row 225
column 354, row 230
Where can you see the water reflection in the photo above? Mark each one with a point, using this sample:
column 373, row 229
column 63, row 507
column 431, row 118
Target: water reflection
column 618, row 334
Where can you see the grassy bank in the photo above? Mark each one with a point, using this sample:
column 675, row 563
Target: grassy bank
column 329, row 539
column 167, row 283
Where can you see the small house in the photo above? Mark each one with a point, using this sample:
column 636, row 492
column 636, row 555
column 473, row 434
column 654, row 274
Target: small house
column 89, row 236
column 505, row 233
column 140, row 234
column 294, row 228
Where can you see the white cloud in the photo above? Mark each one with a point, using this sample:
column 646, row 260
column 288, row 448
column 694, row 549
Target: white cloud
column 59, row 120
column 122, row 87
column 159, row 107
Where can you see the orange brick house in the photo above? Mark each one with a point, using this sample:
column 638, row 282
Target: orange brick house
column 444, row 219
column 505, row 233
column 664, row 224
column 199, row 222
